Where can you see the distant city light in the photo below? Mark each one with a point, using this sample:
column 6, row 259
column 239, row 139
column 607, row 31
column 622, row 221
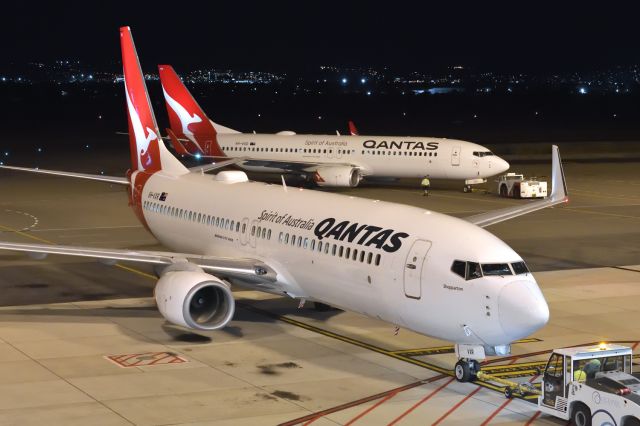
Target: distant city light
column 198, row 155
column 582, row 91
column 39, row 149
column 6, row 153
column 86, row 146
column 368, row 92
column 319, row 117
column 344, row 80
column 363, row 80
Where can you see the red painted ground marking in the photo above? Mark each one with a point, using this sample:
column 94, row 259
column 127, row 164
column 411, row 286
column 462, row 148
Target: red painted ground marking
column 146, row 358
column 504, row 404
column 455, row 407
column 513, row 360
column 403, row 415
column 533, row 419
column 370, row 409
column 315, row 416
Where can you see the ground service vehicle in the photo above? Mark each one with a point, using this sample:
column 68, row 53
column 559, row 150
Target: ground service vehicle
column 589, row 385
column 515, row 185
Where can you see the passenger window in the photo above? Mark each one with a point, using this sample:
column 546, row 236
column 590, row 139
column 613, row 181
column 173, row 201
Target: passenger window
column 340, row 251
column 333, row 250
column 326, row 248
column 253, row 231
column 237, row 226
column 473, row 271
column 369, row 256
column 459, row 268
column 293, row 240
column 306, row 243
column 269, row 234
column 377, row 259
column 520, row 268
column 264, row 233
column 226, row 224
column 280, row 237
column 258, row 234
column 244, row 227
column 347, row 253
column 361, row 256
column 286, row 239
column 313, row 245
column 199, row 217
column 496, row 269
column 299, row 241
column 231, row 225
column 355, row 254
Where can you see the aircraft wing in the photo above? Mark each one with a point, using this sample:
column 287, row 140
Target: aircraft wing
column 102, row 178
column 248, row 270
column 559, row 195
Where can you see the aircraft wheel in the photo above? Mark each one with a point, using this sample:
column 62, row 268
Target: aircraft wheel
column 462, row 371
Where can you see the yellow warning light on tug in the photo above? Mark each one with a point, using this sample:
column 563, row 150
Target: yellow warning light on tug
column 602, row 346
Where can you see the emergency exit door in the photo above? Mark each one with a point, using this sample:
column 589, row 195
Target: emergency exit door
column 414, row 265
column 455, row 156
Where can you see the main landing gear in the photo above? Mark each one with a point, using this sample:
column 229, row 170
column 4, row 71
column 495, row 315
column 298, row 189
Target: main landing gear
column 466, row 369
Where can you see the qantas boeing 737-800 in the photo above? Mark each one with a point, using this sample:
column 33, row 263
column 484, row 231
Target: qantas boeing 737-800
column 327, row 160
column 435, row 274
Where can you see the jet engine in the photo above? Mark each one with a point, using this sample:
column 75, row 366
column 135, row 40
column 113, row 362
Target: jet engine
column 194, row 299
column 337, row 176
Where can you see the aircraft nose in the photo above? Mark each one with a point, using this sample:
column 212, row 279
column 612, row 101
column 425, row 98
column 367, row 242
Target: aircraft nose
column 501, row 165
column 522, row 309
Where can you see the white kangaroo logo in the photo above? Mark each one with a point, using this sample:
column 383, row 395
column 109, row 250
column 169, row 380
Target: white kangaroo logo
column 185, row 118
column 142, row 140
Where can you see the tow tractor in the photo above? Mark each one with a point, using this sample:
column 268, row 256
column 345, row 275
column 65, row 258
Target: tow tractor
column 515, row 185
column 586, row 384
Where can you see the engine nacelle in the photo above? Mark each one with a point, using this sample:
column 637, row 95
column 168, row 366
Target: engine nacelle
column 195, row 299
column 337, row 176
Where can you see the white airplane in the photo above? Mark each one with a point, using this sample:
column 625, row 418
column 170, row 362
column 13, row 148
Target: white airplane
column 435, row 274
column 327, row 160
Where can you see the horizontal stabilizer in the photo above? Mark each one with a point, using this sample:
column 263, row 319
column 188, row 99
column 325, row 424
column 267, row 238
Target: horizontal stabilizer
column 101, row 178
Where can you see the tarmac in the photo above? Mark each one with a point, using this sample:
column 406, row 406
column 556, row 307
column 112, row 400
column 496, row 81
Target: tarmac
column 82, row 342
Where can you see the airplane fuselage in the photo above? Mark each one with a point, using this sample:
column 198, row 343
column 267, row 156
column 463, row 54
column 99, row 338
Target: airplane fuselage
column 383, row 260
column 402, row 157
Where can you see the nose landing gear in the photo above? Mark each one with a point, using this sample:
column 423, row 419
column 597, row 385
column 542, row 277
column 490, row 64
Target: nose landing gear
column 466, row 370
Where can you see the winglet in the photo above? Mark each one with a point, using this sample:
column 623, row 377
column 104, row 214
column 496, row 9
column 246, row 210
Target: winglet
column 177, row 145
column 559, row 190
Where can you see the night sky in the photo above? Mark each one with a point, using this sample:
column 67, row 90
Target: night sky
column 268, row 35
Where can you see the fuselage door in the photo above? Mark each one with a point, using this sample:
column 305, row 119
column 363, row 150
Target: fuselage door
column 455, row 156
column 414, row 264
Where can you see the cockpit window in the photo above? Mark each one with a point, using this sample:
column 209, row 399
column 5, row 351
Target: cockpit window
column 473, row 271
column 482, row 153
column 459, row 268
column 520, row 268
column 496, row 269
column 467, row 270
